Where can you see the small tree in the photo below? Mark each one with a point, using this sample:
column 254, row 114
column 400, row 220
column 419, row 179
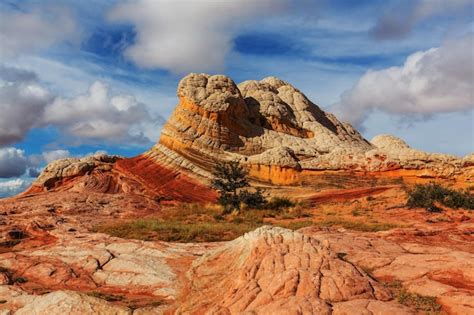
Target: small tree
column 229, row 180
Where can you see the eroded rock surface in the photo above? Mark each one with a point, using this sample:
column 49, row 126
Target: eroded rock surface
column 131, row 178
column 270, row 270
column 276, row 271
column 283, row 137
column 410, row 258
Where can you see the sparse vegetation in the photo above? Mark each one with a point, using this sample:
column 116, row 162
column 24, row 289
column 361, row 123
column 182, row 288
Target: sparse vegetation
column 356, row 212
column 419, row 302
column 194, row 222
column 358, row 225
column 230, row 179
column 177, row 231
column 279, row 203
column 204, row 223
column 426, row 196
column 253, row 200
column 296, row 225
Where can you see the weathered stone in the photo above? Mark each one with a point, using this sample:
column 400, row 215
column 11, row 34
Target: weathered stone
column 68, row 302
column 219, row 120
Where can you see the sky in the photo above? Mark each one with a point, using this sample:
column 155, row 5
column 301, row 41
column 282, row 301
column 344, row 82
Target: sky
column 80, row 77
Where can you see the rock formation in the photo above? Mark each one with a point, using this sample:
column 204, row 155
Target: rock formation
column 281, row 135
column 267, row 271
column 116, row 175
column 276, row 271
column 268, row 125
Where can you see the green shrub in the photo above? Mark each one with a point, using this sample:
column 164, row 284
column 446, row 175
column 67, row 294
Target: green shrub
column 279, row 203
column 421, row 303
column 255, row 200
column 230, row 179
column 425, row 196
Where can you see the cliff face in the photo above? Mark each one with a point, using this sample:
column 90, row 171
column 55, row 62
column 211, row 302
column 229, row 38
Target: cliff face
column 281, row 135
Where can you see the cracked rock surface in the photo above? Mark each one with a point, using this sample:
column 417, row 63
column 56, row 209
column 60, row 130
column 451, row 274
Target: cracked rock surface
column 267, row 271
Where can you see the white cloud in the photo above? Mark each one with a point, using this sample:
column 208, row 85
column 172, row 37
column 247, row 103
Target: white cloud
column 184, row 36
column 400, row 20
column 438, row 80
column 12, row 187
column 99, row 115
column 13, row 162
column 22, row 102
column 26, row 32
column 53, row 155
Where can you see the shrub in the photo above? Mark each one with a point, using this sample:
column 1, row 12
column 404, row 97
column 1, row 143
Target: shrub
column 254, row 200
column 425, row 196
column 355, row 213
column 421, row 303
column 279, row 203
column 230, row 179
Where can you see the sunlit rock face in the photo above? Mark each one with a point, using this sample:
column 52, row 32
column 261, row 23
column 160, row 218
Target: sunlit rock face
column 281, row 135
column 269, row 126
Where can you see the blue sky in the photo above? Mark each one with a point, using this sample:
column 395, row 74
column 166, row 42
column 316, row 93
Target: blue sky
column 79, row 77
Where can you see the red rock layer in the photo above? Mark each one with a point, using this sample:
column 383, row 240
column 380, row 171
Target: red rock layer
column 164, row 182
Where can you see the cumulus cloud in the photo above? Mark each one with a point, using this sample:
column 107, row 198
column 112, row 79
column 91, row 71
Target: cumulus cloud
column 13, row 162
column 95, row 116
column 12, row 187
column 22, row 102
column 186, row 36
column 53, row 155
column 438, row 80
column 33, row 30
column 400, row 20
column 34, row 171
column 99, row 115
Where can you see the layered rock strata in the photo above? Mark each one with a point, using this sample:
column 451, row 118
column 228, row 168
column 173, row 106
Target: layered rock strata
column 268, row 125
column 281, row 135
column 105, row 174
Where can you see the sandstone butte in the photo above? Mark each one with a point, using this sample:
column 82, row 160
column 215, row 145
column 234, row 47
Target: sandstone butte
column 289, row 144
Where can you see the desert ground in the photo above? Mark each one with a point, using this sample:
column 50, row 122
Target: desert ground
column 117, row 254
